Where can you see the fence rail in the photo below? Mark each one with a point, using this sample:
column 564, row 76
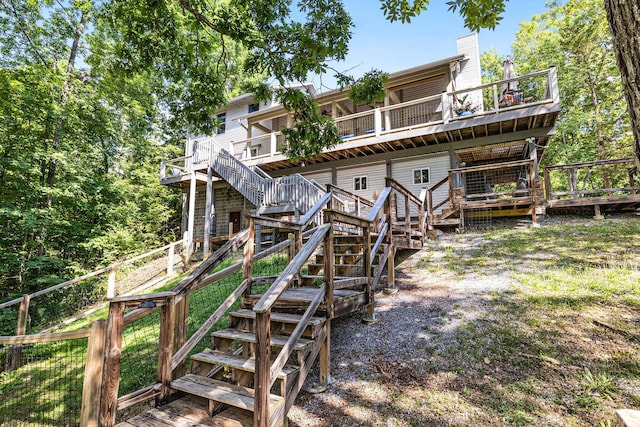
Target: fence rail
column 589, row 183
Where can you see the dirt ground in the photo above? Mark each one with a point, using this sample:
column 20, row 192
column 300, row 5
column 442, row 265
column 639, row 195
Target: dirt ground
column 459, row 346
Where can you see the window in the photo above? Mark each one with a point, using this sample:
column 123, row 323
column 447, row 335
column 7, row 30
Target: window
column 253, row 107
column 222, row 123
column 360, row 183
column 254, row 152
column 421, row 176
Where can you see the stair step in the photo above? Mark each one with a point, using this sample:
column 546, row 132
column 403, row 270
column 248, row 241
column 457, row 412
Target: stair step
column 276, row 340
column 237, row 362
column 279, row 317
column 220, row 391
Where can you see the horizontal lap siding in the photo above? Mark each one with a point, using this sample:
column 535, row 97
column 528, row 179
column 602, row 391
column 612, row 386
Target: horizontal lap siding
column 438, row 164
column 323, row 178
column 375, row 173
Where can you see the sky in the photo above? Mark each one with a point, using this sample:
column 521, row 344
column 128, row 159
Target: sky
column 378, row 44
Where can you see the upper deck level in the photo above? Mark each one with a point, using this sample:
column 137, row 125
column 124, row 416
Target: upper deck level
column 508, row 117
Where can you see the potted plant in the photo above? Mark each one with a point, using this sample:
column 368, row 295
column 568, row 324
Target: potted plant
column 464, row 106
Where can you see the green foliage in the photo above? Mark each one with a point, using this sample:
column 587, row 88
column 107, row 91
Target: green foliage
column 368, row 89
column 79, row 150
column 476, row 14
column 574, row 36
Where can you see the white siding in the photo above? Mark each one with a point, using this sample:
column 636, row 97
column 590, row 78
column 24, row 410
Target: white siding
column 438, row 164
column 375, row 173
column 323, row 177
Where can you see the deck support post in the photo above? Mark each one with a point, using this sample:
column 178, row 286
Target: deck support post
column 597, row 214
column 207, row 214
column 325, row 356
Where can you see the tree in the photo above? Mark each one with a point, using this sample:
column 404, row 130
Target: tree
column 78, row 149
column 622, row 16
column 574, row 37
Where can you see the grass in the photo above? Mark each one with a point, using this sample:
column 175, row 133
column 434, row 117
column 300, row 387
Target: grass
column 51, row 381
column 539, row 353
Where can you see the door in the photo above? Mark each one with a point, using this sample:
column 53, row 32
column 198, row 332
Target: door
column 234, row 218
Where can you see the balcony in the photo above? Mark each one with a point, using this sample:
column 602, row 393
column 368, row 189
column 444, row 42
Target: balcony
column 500, row 117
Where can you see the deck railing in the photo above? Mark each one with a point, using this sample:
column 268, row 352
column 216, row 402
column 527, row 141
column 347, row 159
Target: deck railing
column 526, row 91
column 602, row 181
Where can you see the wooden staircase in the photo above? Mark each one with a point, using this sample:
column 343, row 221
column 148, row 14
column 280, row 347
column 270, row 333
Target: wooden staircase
column 224, row 374
column 256, row 364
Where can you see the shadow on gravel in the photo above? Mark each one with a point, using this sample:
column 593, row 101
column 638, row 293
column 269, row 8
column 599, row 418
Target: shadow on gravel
column 443, row 358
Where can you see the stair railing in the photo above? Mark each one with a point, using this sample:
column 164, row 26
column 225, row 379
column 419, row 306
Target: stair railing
column 431, row 190
column 266, row 372
column 407, row 204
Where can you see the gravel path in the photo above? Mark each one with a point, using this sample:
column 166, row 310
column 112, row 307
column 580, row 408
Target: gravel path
column 371, row 364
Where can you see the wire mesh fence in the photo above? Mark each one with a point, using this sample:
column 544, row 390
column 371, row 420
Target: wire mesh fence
column 47, row 309
column 41, row 384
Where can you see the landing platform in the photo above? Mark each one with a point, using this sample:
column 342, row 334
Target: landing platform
column 297, row 299
column 189, row 411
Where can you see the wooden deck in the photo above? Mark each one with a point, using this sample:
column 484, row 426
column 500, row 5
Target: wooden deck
column 189, row 411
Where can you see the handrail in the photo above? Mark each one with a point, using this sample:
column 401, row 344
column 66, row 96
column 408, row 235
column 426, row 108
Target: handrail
column 591, row 164
column 437, row 97
column 500, row 82
column 334, row 189
column 89, row 275
column 42, row 338
column 278, row 287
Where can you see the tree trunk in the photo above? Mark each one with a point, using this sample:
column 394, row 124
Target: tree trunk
column 624, row 21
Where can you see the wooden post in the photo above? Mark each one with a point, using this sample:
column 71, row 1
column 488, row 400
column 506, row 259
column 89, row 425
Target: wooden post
column 292, row 246
column 15, row 356
column 534, row 192
column 23, row 315
column 181, row 332
column 391, row 276
column 165, row 348
column 496, row 98
column 230, row 229
column 547, row 184
column 207, row 214
column 407, row 219
column 192, row 216
column 262, row 377
column 366, row 254
column 247, row 261
column 92, row 384
column 171, row 259
column 111, row 373
column 297, row 248
column 111, row 282
column 329, row 260
column 325, row 357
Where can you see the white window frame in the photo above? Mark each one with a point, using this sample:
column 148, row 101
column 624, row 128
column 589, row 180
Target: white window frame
column 413, row 175
column 358, row 181
column 223, row 126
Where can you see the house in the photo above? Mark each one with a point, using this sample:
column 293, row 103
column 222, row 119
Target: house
column 461, row 160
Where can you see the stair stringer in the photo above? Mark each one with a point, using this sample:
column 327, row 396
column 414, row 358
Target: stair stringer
column 295, row 385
